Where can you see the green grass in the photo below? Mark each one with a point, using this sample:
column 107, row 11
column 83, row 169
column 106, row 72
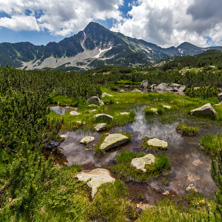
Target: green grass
column 63, row 100
column 129, row 173
column 212, row 143
column 186, row 130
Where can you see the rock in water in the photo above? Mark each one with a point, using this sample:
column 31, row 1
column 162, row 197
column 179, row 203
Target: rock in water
column 87, row 139
column 140, row 162
column 157, row 143
column 103, row 116
column 205, row 110
column 113, row 141
column 100, row 127
column 96, row 178
column 95, row 100
column 144, row 84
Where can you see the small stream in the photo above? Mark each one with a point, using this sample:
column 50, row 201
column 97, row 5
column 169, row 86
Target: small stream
column 188, row 164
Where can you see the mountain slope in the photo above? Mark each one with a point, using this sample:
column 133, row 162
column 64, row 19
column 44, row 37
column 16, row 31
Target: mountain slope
column 94, row 46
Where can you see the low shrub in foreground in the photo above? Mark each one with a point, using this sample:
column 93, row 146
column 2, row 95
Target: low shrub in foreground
column 186, row 130
column 212, row 143
column 130, row 173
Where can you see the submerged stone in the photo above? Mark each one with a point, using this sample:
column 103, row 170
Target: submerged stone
column 96, row 178
column 100, row 127
column 140, row 162
column 87, row 139
column 205, row 110
column 113, row 141
column 157, row 143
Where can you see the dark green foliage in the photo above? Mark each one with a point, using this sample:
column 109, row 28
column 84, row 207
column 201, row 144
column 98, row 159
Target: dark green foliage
column 203, row 92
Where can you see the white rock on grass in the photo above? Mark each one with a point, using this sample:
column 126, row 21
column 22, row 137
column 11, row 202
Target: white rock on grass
column 154, row 110
column 113, row 141
column 140, row 162
column 157, row 143
column 166, row 107
column 96, row 178
column 106, row 94
column 74, row 113
column 100, row 127
column 87, row 139
column 103, row 116
column 205, row 110
column 137, row 91
column 124, row 113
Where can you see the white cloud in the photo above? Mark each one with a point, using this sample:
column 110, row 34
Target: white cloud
column 171, row 22
column 62, row 17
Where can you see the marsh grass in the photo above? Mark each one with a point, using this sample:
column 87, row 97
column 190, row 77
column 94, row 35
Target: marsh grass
column 129, row 173
column 212, row 143
column 186, row 130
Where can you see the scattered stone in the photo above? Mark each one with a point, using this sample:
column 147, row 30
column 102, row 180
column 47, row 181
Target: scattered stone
column 166, row 193
column 103, row 116
column 113, row 141
column 74, row 113
column 93, row 110
column 154, row 110
column 166, row 107
column 205, row 110
column 220, row 97
column 100, row 127
column 106, row 94
column 144, row 84
column 95, row 100
column 192, row 177
column 136, row 91
column 170, row 87
column 87, row 139
column 96, row 178
column 122, row 91
column 63, row 136
column 153, row 87
column 192, row 188
column 157, row 143
column 143, row 206
column 124, row 113
column 140, row 162
column 197, row 162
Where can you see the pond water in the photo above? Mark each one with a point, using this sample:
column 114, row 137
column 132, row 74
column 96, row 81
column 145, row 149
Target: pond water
column 188, row 164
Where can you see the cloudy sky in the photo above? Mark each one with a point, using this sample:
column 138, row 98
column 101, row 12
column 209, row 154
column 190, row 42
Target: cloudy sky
column 163, row 22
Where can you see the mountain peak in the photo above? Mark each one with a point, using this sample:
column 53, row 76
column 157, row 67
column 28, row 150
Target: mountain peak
column 186, row 45
column 92, row 26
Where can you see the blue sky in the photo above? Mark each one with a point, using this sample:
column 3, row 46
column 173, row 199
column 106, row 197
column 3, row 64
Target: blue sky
column 163, row 22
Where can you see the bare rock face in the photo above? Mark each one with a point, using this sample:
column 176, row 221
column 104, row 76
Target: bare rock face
column 157, row 143
column 95, row 100
column 205, row 110
column 103, row 116
column 100, row 127
column 113, row 141
column 144, row 84
column 96, row 178
column 170, row 87
column 140, row 162
column 87, row 139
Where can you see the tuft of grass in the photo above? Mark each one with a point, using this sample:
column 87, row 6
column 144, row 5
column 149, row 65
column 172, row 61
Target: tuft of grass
column 212, row 143
column 108, row 100
column 125, row 169
column 186, row 130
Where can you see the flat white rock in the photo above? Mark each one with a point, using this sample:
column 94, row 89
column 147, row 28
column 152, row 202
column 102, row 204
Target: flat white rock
column 157, row 143
column 140, row 162
column 74, row 113
column 87, row 139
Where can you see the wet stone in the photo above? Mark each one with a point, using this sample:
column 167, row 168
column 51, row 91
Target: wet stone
column 96, row 178
column 100, row 127
column 157, row 143
column 87, row 139
column 141, row 162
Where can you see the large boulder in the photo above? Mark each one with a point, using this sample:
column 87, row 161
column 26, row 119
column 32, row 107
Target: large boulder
column 100, row 127
column 96, row 178
column 95, row 100
column 157, row 143
column 170, row 87
column 113, row 141
column 141, row 162
column 205, row 110
column 103, row 116
column 144, row 84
